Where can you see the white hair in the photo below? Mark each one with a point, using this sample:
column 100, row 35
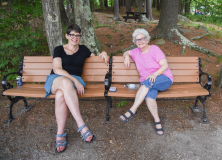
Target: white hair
column 140, row 31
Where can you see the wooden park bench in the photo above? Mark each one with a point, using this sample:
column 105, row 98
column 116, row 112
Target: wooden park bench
column 34, row 70
column 188, row 81
column 135, row 15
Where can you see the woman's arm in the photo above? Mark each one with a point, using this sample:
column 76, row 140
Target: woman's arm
column 57, row 68
column 126, row 56
column 163, row 66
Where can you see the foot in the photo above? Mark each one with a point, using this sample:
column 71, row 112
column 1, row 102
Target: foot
column 86, row 134
column 61, row 143
column 127, row 116
column 158, row 127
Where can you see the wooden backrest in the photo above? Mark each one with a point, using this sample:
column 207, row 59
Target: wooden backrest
column 184, row 69
column 36, row 68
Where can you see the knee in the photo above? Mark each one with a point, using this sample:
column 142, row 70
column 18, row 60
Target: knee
column 150, row 101
column 66, row 84
column 59, row 96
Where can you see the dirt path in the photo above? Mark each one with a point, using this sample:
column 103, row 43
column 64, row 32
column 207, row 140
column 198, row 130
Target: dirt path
column 32, row 135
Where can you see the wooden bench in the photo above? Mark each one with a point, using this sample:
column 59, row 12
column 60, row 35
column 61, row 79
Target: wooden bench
column 187, row 76
column 135, row 15
column 34, row 70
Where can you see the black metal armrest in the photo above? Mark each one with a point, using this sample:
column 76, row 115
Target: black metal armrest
column 208, row 84
column 107, row 83
column 6, row 85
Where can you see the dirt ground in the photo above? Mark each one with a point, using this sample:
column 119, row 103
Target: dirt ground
column 32, row 135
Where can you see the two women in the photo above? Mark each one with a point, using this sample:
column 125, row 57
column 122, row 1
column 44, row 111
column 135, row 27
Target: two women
column 154, row 74
column 66, row 83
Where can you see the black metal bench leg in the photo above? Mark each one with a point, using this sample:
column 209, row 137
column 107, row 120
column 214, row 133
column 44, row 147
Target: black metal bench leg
column 196, row 108
column 107, row 109
column 204, row 120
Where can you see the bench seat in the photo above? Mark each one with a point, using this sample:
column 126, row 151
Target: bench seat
column 38, row 91
column 175, row 91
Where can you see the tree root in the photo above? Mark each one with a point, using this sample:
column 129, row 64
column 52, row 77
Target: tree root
column 175, row 36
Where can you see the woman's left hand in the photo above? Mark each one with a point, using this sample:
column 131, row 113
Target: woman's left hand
column 104, row 56
column 152, row 77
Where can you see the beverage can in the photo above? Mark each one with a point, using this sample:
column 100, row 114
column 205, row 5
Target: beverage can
column 19, row 80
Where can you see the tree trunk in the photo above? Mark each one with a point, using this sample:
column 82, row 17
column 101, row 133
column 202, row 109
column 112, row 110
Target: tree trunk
column 83, row 18
column 167, row 28
column 116, row 11
column 180, row 7
column 154, row 4
column 149, row 10
column 121, row 2
column 144, row 8
column 139, row 5
column 219, row 82
column 92, row 7
column 101, row 2
column 158, row 5
column 71, row 13
column 53, row 25
column 64, row 17
column 187, row 6
column 128, row 6
column 106, row 3
column 133, row 3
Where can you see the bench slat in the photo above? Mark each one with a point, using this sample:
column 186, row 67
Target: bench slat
column 169, row 59
column 176, row 78
column 174, row 91
column 183, row 66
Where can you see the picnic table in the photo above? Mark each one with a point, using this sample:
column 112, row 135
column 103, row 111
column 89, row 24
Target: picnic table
column 135, row 15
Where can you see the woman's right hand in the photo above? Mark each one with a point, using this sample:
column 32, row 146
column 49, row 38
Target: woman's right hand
column 79, row 87
column 127, row 61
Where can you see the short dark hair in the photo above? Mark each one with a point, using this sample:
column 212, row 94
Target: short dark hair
column 73, row 27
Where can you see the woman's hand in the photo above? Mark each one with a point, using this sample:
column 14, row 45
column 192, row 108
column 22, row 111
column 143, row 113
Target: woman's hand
column 152, row 77
column 104, row 56
column 127, row 61
column 79, row 87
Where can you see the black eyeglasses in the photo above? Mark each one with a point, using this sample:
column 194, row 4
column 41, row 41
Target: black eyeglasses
column 75, row 35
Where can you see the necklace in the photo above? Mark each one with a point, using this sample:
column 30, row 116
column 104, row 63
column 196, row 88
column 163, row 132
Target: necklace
column 72, row 51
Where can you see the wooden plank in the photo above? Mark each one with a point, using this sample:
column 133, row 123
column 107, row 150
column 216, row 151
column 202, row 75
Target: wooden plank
column 43, row 59
column 176, row 78
column 169, row 59
column 40, row 92
column 96, row 65
column 95, row 72
column 37, row 65
column 36, row 72
column 172, row 92
column 135, row 72
column 94, row 78
column 95, row 59
column 36, row 78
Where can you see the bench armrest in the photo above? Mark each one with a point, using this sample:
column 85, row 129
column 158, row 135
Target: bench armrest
column 208, row 84
column 107, row 83
column 6, row 85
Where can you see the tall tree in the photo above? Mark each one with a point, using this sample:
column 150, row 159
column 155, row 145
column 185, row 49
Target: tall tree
column 187, row 6
column 64, row 17
column 53, row 25
column 154, row 4
column 84, row 19
column 158, row 5
column 180, row 7
column 116, row 10
column 139, row 5
column 149, row 10
column 128, row 5
column 121, row 2
column 219, row 82
column 106, row 3
column 92, row 7
column 167, row 27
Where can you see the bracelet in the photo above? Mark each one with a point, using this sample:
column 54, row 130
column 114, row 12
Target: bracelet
column 100, row 54
column 160, row 71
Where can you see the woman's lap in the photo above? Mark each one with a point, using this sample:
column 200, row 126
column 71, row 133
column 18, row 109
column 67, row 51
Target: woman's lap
column 161, row 83
column 50, row 79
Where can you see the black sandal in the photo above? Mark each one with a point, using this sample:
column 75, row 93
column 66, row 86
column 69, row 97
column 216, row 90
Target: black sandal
column 157, row 130
column 127, row 118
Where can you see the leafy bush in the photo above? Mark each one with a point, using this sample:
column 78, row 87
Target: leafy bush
column 22, row 33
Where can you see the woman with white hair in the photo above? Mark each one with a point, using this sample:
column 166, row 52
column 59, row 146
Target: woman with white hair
column 154, row 74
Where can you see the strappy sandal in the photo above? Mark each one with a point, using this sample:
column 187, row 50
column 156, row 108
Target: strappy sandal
column 86, row 134
column 61, row 143
column 157, row 130
column 127, row 118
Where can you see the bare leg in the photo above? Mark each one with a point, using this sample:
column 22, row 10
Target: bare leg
column 61, row 112
column 140, row 95
column 152, row 106
column 71, row 99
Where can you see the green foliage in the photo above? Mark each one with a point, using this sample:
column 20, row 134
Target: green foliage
column 120, row 104
column 22, row 33
column 219, row 60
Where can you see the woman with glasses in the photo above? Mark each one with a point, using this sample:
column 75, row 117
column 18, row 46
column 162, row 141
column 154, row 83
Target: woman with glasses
column 154, row 74
column 66, row 83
